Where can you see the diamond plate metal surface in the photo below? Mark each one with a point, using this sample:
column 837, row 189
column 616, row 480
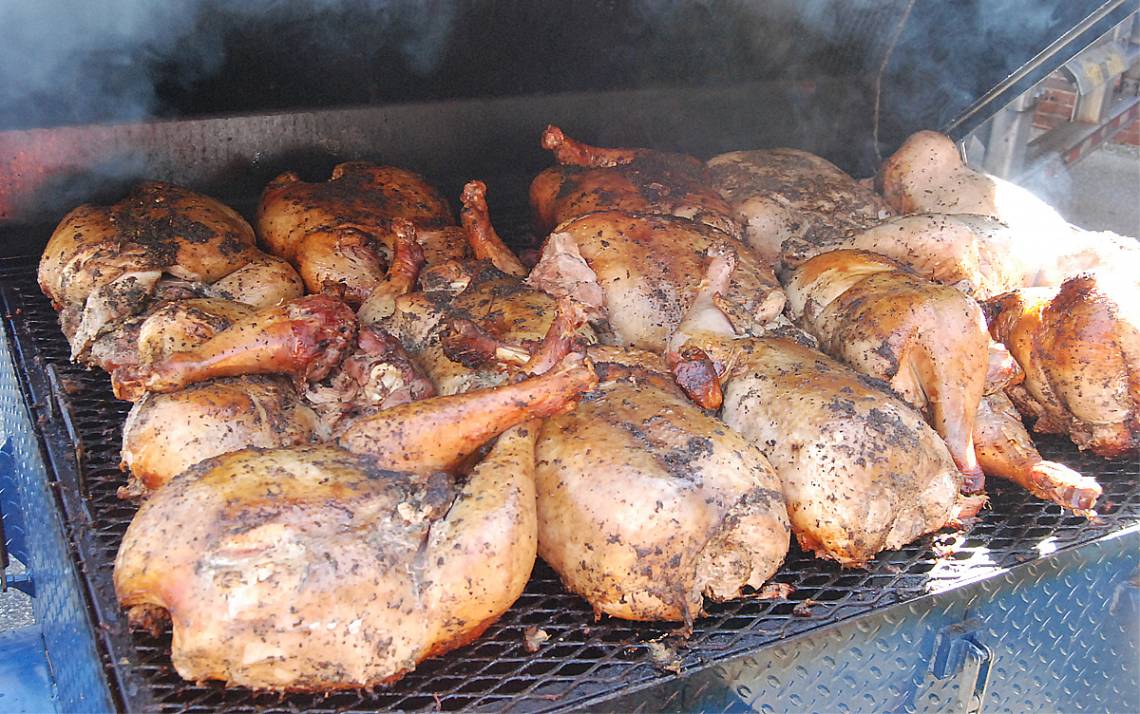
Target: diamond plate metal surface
column 60, row 605
column 1064, row 633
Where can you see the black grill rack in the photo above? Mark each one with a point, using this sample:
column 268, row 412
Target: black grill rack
column 584, row 662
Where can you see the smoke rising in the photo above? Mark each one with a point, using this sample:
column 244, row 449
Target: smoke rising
column 64, row 62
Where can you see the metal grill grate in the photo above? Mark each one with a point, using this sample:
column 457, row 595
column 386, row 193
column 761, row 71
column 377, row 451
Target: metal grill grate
column 584, row 662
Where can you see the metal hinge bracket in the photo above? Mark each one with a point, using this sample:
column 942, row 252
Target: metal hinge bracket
column 959, row 652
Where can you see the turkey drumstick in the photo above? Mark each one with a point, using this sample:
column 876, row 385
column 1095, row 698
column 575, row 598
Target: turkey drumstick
column 439, row 433
column 485, row 242
column 570, row 152
column 304, row 338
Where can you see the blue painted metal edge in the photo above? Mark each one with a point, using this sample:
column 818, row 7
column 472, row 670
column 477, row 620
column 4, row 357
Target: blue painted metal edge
column 60, row 607
column 25, row 681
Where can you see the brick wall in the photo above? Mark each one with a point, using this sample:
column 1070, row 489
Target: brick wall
column 1056, row 104
column 1057, row 101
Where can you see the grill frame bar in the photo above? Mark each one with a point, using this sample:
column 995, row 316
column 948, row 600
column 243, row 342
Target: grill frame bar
column 584, row 663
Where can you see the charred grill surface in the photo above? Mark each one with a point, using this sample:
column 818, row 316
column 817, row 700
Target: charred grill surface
column 582, row 662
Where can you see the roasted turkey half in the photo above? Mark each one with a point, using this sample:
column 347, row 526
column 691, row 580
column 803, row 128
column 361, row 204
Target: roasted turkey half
column 639, row 274
column 322, row 568
column 165, row 434
column 343, row 231
column 590, row 178
column 860, row 470
column 928, row 341
column 1079, row 345
column 103, row 264
column 779, row 195
column 647, row 505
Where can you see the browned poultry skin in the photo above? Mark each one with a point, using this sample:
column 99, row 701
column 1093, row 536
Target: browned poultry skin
column 344, row 256
column 165, row 434
column 504, row 309
column 304, row 338
column 262, row 282
column 182, row 325
column 646, row 505
column 317, row 569
column 927, row 175
column 780, row 195
column 1079, row 345
column 345, row 230
column 485, row 242
column 976, row 254
column 647, row 270
column 103, row 263
column 1005, row 450
column 861, row 471
column 160, row 226
column 643, row 181
column 358, row 195
column 439, row 433
column 927, row 341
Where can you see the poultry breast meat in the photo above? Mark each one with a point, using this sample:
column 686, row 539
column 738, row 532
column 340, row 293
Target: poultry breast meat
column 590, row 178
column 927, row 175
column 165, row 434
column 104, row 263
column 779, row 195
column 319, row 568
column 646, row 505
column 1079, row 345
column 639, row 273
column 860, row 471
column 343, row 231
column 928, row 341
column 976, row 254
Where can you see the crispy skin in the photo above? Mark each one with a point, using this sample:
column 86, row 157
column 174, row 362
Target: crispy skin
column 304, row 338
column 345, row 230
column 1079, row 346
column 976, row 254
column 648, row 269
column 927, row 341
column 358, row 195
column 316, row 569
column 633, row 180
column 861, row 471
column 104, row 264
column 646, row 505
column 165, row 434
column 181, row 325
column 264, row 281
column 781, row 195
column 439, row 433
column 503, row 308
column 926, row 175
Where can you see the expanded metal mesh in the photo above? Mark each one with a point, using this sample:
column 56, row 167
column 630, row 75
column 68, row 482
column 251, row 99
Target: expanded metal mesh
column 583, row 662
